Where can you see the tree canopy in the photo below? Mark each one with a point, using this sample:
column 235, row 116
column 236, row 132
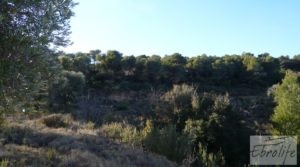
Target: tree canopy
column 29, row 31
column 287, row 112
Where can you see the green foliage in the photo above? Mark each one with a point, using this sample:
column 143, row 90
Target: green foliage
column 173, row 68
column 49, row 19
column 205, row 123
column 122, row 132
column 108, row 117
column 66, row 62
column 152, row 67
column 151, row 136
column 272, row 72
column 297, row 57
column 131, row 135
column 271, row 90
column 174, row 59
column 103, row 70
column 128, row 64
column 168, row 142
column 180, row 97
column 209, row 119
column 90, row 125
column 147, row 130
column 251, row 63
column 51, row 154
column 112, row 60
column 27, row 29
column 113, row 130
column 193, row 129
column 206, row 118
column 65, row 90
column 29, row 88
column 287, row 112
column 4, row 163
column 165, row 141
column 200, row 67
column 82, row 63
column 209, row 159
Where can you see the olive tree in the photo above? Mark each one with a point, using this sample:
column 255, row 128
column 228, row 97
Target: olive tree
column 30, row 31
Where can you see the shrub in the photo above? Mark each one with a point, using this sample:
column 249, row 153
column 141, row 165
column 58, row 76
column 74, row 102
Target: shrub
column 147, row 129
column 167, row 142
column 54, row 121
column 180, row 96
column 183, row 99
column 209, row 159
column 15, row 135
column 194, row 129
column 122, row 105
column 112, row 130
column 131, row 136
column 122, row 132
column 108, row 117
column 150, row 136
column 65, row 90
column 216, row 126
column 271, row 90
column 172, row 144
column 90, row 125
column 4, row 163
column 51, row 154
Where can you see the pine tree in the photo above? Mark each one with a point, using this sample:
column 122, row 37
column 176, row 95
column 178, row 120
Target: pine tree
column 287, row 112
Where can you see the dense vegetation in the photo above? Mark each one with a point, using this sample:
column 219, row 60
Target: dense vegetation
column 197, row 111
column 201, row 109
column 230, row 70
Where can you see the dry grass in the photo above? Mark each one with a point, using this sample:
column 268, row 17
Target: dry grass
column 30, row 142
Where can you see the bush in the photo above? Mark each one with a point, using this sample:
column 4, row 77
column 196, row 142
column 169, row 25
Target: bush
column 113, row 130
column 4, row 163
column 65, row 90
column 122, row 105
column 55, row 121
column 167, row 142
column 131, row 136
column 122, row 132
column 51, row 154
column 216, row 126
column 108, row 117
column 209, row 159
column 182, row 99
column 90, row 125
column 271, row 90
column 16, row 135
column 194, row 129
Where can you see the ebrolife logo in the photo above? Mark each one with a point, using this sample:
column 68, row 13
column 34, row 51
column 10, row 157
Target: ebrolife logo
column 273, row 150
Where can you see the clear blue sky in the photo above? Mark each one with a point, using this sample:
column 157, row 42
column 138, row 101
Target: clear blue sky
column 190, row 27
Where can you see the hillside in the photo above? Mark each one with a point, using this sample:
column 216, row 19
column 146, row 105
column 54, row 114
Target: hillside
column 26, row 141
column 92, row 107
